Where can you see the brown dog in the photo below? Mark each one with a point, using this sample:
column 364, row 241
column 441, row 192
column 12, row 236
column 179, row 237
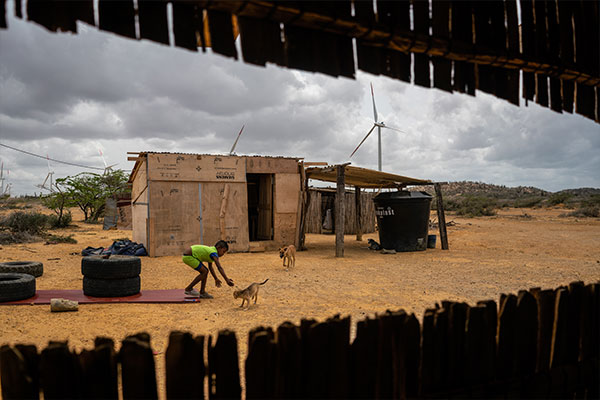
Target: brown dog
column 288, row 253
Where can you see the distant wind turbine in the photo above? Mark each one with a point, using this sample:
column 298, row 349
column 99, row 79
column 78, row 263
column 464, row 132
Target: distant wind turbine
column 49, row 176
column 107, row 168
column 379, row 125
column 236, row 141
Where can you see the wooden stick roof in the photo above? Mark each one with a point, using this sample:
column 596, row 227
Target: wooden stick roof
column 470, row 45
column 363, row 177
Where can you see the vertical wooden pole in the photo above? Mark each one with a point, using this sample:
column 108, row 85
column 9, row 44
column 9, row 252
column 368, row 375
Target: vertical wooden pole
column 358, row 213
column 17, row 382
column 260, row 364
column 59, row 372
column 184, row 365
column 340, row 211
column 99, row 371
column 223, row 212
column 138, row 372
column 225, row 366
column 288, row 367
column 441, row 216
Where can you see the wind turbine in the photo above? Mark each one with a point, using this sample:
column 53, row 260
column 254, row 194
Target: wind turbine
column 236, row 140
column 107, row 168
column 379, row 125
column 49, row 176
column 2, row 178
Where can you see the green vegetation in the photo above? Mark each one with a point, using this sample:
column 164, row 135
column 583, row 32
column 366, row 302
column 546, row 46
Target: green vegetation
column 25, row 222
column 87, row 191
column 473, row 206
column 527, row 202
column 55, row 239
column 559, row 198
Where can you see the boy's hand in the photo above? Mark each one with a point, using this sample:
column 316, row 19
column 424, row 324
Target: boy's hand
column 217, row 283
column 229, row 282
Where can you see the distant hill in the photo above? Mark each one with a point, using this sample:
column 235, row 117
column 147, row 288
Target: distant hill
column 457, row 194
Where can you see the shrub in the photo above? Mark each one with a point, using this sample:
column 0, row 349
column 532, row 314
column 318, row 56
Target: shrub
column 7, row 237
column 584, row 212
column 477, row 206
column 528, row 202
column 559, row 198
column 55, row 239
column 60, row 222
column 32, row 223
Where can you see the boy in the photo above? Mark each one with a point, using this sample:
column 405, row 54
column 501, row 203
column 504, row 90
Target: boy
column 195, row 256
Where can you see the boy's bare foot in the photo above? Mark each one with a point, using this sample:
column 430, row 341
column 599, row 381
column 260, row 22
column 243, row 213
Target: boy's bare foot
column 193, row 293
column 205, row 296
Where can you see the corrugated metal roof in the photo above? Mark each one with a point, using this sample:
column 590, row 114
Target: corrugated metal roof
column 363, row 177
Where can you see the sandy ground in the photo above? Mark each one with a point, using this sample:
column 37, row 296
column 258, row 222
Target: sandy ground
column 518, row 249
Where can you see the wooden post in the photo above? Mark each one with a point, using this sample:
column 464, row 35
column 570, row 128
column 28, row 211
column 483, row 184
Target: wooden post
column 288, row 367
column 358, row 207
column 99, row 370
column 301, row 211
column 138, row 372
column 441, row 216
column 223, row 212
column 17, row 382
column 305, row 207
column 527, row 332
column 545, row 303
column 59, row 372
column 184, row 366
column 226, row 367
column 340, row 211
column 260, row 364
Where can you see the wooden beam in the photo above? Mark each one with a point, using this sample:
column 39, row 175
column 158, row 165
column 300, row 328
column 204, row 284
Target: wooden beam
column 340, row 212
column 402, row 39
column 441, row 216
column 358, row 213
column 313, row 163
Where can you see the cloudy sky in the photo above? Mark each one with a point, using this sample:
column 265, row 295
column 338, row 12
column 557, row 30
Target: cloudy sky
column 72, row 96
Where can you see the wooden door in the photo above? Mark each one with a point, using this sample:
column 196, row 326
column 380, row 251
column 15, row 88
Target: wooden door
column 265, row 207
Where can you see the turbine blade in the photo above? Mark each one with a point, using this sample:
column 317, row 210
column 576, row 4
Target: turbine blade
column 394, row 129
column 374, row 108
column 365, row 138
column 236, row 140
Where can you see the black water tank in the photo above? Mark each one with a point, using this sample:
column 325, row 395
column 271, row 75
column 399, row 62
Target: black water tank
column 403, row 219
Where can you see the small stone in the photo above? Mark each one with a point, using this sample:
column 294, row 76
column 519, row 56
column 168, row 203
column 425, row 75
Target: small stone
column 58, row 305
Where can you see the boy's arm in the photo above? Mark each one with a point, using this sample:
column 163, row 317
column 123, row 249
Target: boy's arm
column 212, row 272
column 222, row 271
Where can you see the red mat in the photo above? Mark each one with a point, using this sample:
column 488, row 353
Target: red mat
column 147, row 296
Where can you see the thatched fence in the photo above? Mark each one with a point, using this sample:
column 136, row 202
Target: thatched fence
column 538, row 343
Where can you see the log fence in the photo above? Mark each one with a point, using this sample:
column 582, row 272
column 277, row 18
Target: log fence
column 537, row 343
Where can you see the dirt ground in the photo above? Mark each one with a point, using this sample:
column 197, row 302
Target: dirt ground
column 518, row 249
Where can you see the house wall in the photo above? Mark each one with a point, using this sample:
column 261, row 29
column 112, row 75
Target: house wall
column 139, row 205
column 193, row 199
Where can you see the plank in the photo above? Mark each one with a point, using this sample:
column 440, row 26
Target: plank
column 138, row 373
column 184, row 366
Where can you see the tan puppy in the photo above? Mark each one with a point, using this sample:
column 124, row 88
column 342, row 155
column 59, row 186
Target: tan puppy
column 250, row 293
column 288, row 253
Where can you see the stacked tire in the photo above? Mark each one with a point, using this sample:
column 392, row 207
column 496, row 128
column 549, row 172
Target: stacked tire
column 115, row 276
column 34, row 268
column 15, row 286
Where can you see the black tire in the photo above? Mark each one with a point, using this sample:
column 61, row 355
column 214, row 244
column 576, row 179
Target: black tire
column 111, row 287
column 114, row 267
column 16, row 286
column 22, row 267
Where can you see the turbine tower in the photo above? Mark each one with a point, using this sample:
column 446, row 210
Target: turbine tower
column 379, row 125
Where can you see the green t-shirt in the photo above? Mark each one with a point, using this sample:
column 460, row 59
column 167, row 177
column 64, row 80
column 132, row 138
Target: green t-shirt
column 204, row 253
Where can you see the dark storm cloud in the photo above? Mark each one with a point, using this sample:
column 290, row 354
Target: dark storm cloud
column 70, row 95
